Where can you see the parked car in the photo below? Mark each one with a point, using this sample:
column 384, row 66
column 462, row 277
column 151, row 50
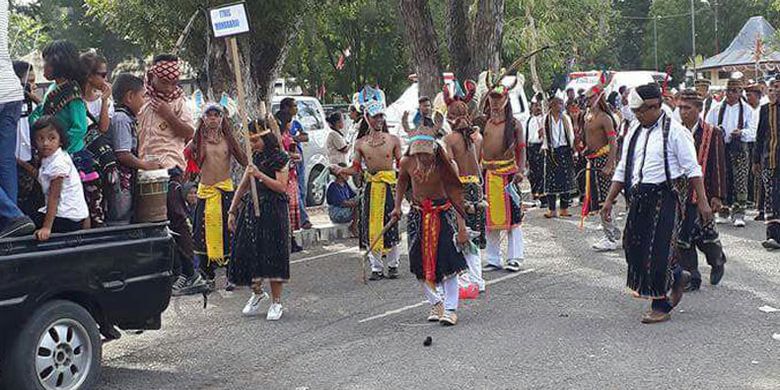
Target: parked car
column 617, row 79
column 312, row 117
column 58, row 297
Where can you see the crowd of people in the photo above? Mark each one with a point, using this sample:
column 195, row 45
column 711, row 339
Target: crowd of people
column 71, row 160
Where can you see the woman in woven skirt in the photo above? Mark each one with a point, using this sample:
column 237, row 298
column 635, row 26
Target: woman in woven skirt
column 289, row 145
column 261, row 244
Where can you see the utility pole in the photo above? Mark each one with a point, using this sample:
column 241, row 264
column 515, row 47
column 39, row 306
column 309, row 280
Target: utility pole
column 655, row 39
column 693, row 38
column 717, row 39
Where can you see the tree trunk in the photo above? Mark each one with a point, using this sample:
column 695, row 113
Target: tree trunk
column 421, row 36
column 486, row 39
column 268, row 54
column 458, row 36
column 218, row 77
column 533, row 41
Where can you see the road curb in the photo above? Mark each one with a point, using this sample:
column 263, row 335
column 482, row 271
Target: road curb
column 329, row 232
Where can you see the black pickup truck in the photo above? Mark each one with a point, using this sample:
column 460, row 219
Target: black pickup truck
column 57, row 298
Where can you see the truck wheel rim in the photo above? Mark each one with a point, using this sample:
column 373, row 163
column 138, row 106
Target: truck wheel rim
column 63, row 356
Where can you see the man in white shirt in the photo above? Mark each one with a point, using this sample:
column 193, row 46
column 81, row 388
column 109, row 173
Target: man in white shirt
column 533, row 141
column 558, row 148
column 735, row 118
column 12, row 221
column 658, row 152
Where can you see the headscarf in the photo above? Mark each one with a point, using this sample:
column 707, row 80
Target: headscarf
column 167, row 70
column 691, row 95
column 642, row 93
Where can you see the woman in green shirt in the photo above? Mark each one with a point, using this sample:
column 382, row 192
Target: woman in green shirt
column 63, row 100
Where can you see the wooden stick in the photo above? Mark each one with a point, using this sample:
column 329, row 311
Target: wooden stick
column 242, row 113
column 363, row 260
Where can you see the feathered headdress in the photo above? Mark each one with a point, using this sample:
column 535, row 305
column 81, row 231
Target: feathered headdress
column 457, row 104
column 367, row 95
column 463, row 94
column 599, row 88
column 495, row 85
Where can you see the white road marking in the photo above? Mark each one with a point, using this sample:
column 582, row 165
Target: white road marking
column 353, row 249
column 391, row 312
column 510, row 276
column 320, row 256
column 416, row 305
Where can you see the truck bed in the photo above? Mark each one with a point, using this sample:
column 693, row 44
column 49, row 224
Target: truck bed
column 121, row 274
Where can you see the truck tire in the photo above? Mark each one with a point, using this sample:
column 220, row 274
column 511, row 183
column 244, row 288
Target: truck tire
column 58, row 348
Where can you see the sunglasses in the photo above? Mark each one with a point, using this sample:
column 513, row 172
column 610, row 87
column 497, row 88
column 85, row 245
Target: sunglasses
column 101, row 74
column 732, row 90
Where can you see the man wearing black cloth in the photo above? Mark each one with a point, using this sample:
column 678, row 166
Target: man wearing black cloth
column 659, row 152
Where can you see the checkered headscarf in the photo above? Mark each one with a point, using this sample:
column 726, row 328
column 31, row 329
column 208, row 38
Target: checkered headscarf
column 168, row 70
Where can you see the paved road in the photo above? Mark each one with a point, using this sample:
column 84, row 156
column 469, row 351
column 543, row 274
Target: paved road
column 566, row 321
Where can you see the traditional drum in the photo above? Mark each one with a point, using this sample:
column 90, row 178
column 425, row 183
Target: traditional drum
column 152, row 198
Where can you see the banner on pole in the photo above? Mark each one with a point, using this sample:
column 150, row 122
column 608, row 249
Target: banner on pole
column 229, row 20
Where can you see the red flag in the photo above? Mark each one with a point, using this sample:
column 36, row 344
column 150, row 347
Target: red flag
column 343, row 58
column 321, row 91
column 665, row 85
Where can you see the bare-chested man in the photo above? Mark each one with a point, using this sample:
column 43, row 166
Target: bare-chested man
column 378, row 150
column 600, row 140
column 503, row 160
column 211, row 153
column 464, row 145
column 433, row 225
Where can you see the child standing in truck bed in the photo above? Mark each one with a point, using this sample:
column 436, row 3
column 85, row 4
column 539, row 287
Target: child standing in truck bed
column 65, row 207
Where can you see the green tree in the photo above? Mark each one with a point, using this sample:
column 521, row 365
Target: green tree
column 25, row 34
column 156, row 26
column 34, row 25
column 674, row 29
column 630, row 30
column 578, row 30
column 374, row 40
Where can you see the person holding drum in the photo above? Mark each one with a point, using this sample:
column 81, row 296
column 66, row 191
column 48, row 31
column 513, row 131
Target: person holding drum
column 165, row 124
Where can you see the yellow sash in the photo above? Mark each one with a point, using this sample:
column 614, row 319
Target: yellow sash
column 603, row 151
column 499, row 215
column 215, row 248
column 469, row 179
column 376, row 211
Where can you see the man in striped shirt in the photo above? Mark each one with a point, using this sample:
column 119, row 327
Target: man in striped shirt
column 12, row 221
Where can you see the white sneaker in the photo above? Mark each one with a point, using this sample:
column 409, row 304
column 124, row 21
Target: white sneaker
column 739, row 222
column 252, row 307
column 274, row 312
column 605, row 245
column 720, row 220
